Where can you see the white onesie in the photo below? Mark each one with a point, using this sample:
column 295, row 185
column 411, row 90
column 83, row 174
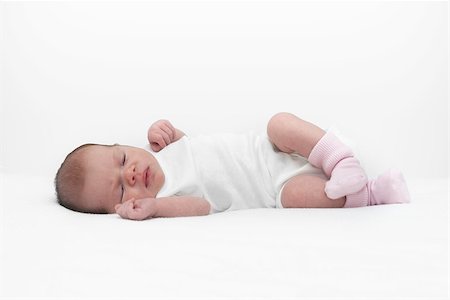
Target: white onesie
column 230, row 171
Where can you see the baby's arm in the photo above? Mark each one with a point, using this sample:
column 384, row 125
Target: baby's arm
column 176, row 206
column 162, row 133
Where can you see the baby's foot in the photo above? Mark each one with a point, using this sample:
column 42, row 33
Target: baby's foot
column 347, row 178
column 338, row 162
column 388, row 188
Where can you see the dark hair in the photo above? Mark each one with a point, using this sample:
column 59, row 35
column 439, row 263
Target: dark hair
column 70, row 179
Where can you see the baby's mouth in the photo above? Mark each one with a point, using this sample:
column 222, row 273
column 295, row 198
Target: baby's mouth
column 147, row 177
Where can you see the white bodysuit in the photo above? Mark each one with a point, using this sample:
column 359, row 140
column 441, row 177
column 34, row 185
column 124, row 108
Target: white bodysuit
column 230, row 171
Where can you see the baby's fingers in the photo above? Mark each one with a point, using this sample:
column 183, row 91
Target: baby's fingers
column 168, row 130
column 124, row 208
column 160, row 140
column 131, row 210
column 137, row 214
column 155, row 147
column 166, row 137
column 120, row 210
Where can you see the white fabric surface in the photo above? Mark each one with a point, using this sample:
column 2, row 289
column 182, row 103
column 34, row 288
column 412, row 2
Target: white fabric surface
column 385, row 251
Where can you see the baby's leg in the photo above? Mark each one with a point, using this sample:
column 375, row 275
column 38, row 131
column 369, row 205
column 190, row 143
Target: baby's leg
column 307, row 191
column 322, row 149
column 293, row 135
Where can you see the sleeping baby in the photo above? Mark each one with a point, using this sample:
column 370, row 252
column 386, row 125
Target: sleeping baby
column 296, row 165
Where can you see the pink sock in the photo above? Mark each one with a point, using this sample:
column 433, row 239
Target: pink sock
column 388, row 188
column 337, row 161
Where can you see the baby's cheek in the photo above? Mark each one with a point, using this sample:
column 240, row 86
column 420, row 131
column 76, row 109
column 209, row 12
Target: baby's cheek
column 137, row 194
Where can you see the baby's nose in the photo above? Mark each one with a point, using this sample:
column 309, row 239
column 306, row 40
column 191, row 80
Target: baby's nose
column 131, row 175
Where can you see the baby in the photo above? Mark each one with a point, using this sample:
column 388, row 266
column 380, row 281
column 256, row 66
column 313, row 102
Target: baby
column 296, row 165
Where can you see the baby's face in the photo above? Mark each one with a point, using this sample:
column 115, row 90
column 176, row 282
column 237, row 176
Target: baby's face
column 118, row 173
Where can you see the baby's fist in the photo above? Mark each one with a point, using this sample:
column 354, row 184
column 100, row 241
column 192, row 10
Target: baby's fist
column 160, row 134
column 136, row 209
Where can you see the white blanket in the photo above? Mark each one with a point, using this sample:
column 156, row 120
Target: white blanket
column 384, row 251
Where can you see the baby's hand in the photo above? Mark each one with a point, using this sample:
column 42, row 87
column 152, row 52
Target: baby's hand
column 136, row 209
column 161, row 134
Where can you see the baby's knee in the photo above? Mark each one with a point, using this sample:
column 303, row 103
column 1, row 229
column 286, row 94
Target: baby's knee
column 279, row 118
column 278, row 122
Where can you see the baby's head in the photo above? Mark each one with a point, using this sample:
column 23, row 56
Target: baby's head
column 94, row 178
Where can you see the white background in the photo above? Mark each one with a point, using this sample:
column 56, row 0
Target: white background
column 73, row 73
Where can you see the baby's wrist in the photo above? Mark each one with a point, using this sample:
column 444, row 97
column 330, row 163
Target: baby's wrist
column 151, row 208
